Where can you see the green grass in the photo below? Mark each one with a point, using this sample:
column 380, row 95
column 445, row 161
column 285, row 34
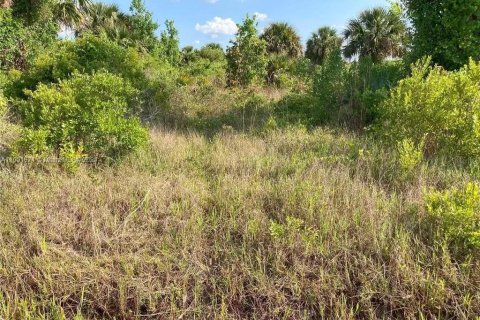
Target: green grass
column 242, row 222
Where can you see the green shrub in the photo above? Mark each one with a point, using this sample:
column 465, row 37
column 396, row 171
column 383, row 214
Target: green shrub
column 352, row 92
column 154, row 78
column 32, row 142
column 330, row 83
column 213, row 52
column 278, row 70
column 410, row 157
column 88, row 112
column 86, row 54
column 300, row 109
column 456, row 213
column 436, row 105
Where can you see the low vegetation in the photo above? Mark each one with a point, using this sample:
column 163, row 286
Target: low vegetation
column 141, row 180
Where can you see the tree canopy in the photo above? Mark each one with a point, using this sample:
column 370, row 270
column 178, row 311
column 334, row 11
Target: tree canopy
column 447, row 30
column 377, row 33
column 321, row 44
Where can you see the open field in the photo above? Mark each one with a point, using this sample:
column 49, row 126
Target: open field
column 327, row 167
column 286, row 224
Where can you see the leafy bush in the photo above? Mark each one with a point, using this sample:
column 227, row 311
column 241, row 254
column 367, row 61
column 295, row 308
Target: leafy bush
column 330, row 83
column 88, row 112
column 153, row 77
column 436, row 105
column 213, row 52
column 457, row 215
column 410, row 157
column 278, row 68
column 86, row 54
column 300, row 109
column 351, row 92
column 203, row 67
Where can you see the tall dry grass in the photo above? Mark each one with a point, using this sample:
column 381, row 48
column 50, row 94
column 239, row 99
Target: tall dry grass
column 287, row 224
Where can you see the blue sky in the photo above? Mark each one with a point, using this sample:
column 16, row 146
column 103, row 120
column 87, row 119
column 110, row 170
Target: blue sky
column 202, row 21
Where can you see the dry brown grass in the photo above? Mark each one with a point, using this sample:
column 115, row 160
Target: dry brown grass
column 286, row 225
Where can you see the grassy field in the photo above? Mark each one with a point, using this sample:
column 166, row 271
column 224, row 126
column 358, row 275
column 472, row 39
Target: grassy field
column 253, row 220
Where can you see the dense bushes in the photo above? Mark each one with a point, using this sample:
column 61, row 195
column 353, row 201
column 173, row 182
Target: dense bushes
column 86, row 55
column 456, row 214
column 204, row 66
column 153, row 77
column 437, row 108
column 87, row 113
column 350, row 92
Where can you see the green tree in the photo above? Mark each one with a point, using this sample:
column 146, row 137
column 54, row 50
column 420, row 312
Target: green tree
column 377, row 33
column 188, row 54
column 330, row 83
column 19, row 44
column 246, row 57
column 281, row 38
column 321, row 44
column 169, row 43
column 142, row 26
column 447, row 30
column 212, row 52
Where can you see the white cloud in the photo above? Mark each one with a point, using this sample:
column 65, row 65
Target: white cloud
column 212, row 1
column 217, row 26
column 260, row 16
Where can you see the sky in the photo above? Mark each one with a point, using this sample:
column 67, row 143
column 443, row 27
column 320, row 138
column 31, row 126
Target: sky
column 203, row 21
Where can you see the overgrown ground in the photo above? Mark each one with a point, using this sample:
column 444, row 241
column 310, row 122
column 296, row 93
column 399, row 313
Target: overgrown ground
column 230, row 213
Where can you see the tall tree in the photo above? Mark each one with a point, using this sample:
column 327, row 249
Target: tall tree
column 246, row 57
column 377, row 33
column 447, row 30
column 142, row 26
column 282, row 38
column 134, row 29
column 321, row 44
column 169, row 43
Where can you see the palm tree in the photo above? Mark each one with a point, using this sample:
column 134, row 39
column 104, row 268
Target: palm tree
column 67, row 12
column 71, row 12
column 376, row 33
column 281, row 38
column 321, row 44
column 105, row 18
